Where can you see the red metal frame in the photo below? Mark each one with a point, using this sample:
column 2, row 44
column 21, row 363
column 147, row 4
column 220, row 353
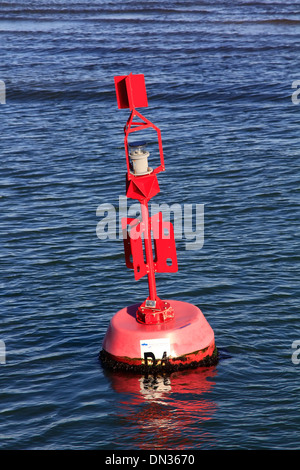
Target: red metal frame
column 132, row 126
column 131, row 93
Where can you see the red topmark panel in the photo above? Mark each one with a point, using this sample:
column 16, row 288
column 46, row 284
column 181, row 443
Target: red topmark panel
column 131, row 91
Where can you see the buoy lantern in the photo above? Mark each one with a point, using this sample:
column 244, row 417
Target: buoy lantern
column 156, row 334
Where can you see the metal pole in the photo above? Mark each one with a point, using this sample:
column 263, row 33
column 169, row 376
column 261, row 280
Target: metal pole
column 148, row 249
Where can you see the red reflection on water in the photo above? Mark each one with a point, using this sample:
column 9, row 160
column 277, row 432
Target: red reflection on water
column 167, row 411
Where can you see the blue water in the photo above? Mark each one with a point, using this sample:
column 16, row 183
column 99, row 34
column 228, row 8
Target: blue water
column 219, row 81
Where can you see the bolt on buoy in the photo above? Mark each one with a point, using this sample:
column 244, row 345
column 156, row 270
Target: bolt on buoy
column 155, row 334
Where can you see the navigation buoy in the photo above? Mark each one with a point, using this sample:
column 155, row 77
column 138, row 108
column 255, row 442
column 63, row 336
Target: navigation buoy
column 156, row 334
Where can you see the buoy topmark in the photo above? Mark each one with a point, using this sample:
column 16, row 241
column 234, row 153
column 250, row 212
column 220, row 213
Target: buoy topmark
column 155, row 334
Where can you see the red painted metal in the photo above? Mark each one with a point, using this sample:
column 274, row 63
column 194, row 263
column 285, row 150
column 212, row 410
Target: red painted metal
column 134, row 126
column 138, row 247
column 142, row 187
column 139, row 256
column 148, row 250
column 131, row 91
column 164, row 242
column 164, row 256
column 186, row 338
column 133, row 247
column 168, row 333
column 161, row 313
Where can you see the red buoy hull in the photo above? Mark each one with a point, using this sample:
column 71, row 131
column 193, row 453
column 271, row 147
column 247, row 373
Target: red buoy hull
column 185, row 341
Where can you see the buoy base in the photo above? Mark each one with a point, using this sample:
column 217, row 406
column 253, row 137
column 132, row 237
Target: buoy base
column 109, row 362
column 186, row 341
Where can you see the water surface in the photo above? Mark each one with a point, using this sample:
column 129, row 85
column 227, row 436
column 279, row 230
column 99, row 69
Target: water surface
column 219, row 81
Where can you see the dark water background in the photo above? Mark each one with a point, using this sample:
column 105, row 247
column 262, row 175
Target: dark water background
column 219, row 80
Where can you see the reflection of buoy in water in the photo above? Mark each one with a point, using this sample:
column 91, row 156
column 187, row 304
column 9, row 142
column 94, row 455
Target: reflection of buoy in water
column 157, row 334
column 167, row 407
column 147, row 387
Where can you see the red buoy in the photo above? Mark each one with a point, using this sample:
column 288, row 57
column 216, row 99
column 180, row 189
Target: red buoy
column 155, row 334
